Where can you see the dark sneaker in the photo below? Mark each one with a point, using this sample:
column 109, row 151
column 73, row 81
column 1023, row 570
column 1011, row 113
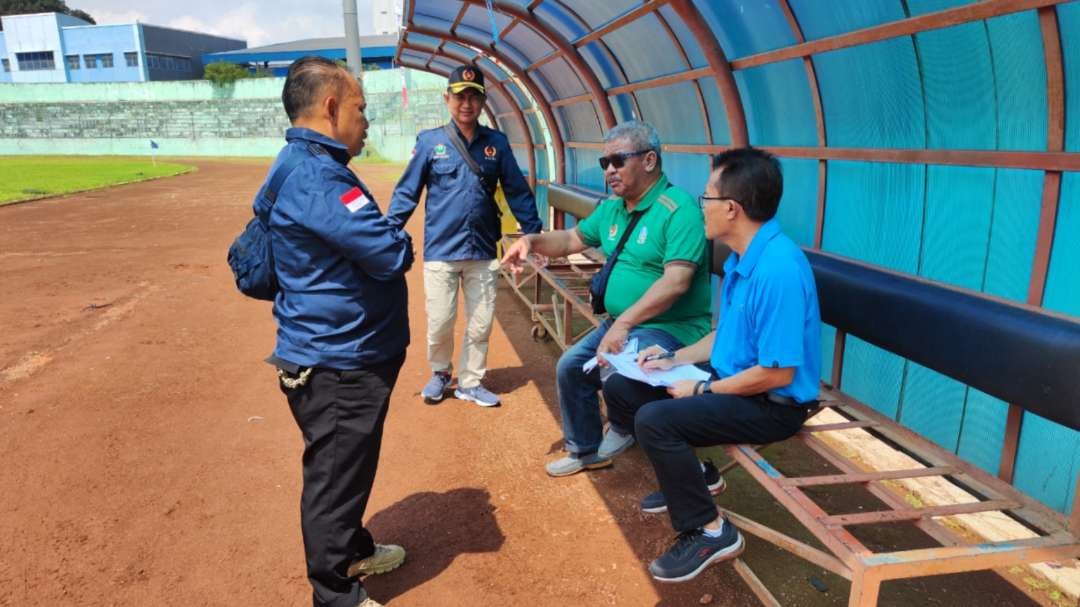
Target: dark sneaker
column 694, row 551
column 435, row 389
column 479, row 395
column 655, row 503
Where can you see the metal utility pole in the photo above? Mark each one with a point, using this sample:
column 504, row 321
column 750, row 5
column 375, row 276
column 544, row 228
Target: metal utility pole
column 352, row 39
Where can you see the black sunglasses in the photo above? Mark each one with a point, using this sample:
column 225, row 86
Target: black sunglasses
column 701, row 199
column 618, row 159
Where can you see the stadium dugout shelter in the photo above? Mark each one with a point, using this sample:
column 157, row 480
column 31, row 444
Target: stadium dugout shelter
column 931, row 158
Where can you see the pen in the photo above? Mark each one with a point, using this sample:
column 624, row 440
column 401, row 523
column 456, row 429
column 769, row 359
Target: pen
column 660, row 356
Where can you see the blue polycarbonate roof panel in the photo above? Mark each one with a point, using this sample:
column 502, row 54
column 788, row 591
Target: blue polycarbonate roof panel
column 1019, row 65
column 874, row 212
column 778, row 89
column 559, row 20
column 687, row 171
column 956, row 225
column 932, row 405
column 873, row 375
column 866, row 106
column 445, row 64
column 798, row 206
column 562, row 78
column 530, row 42
column 747, row 28
column 1011, row 251
column 1069, row 26
column 477, row 18
column 422, row 40
column 982, row 434
column 1062, row 286
column 675, row 112
column 597, row 14
column 513, row 131
column 499, row 103
column 623, row 106
column 1047, row 461
column 843, row 16
column 581, row 121
column 601, row 63
column 714, row 105
column 445, row 10
column 921, row 7
column 582, row 169
column 686, row 40
column 643, row 61
column 958, row 82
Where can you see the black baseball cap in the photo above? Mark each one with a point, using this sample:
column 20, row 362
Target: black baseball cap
column 466, row 77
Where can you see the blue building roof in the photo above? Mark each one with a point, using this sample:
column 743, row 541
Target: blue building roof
column 374, row 49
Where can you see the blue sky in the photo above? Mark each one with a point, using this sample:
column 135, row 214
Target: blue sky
column 258, row 22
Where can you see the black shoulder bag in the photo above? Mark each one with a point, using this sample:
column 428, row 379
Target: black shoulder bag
column 459, row 145
column 598, row 285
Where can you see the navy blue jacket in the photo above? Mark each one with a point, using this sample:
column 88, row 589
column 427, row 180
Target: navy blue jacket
column 341, row 265
column 460, row 220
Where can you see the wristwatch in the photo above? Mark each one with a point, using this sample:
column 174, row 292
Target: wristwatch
column 703, row 387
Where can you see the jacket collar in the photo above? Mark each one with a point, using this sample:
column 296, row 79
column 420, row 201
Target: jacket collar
column 337, row 150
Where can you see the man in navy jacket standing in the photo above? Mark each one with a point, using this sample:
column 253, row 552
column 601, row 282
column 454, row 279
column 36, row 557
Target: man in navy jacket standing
column 461, row 229
column 342, row 322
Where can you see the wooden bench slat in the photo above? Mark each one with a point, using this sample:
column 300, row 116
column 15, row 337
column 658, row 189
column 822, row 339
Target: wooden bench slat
column 911, row 514
column 862, row 423
column 866, row 477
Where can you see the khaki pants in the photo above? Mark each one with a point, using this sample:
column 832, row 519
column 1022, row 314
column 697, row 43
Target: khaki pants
column 441, row 282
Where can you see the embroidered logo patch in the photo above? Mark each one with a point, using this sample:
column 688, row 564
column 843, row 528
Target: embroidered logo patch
column 643, row 235
column 468, row 75
column 440, row 152
column 354, row 200
column 490, row 151
column 612, row 231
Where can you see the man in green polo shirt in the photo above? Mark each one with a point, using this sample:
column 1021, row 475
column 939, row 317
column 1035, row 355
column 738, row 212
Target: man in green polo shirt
column 658, row 291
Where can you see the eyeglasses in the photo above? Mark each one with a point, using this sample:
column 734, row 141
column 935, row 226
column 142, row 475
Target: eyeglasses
column 702, row 199
column 618, row 159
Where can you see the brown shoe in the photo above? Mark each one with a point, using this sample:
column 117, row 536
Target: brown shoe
column 386, row 558
column 369, row 602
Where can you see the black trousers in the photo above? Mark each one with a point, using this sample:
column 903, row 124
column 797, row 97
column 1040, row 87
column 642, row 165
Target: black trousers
column 341, row 415
column 668, row 429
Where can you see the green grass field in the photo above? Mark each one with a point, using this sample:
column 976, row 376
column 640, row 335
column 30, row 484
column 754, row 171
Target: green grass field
column 30, row 177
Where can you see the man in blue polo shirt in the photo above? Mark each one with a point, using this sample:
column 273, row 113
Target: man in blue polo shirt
column 765, row 356
column 461, row 229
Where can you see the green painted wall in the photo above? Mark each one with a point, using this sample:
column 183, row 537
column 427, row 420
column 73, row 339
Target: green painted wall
column 195, row 118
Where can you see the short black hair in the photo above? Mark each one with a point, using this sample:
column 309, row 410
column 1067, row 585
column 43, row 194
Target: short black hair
column 307, row 80
column 751, row 177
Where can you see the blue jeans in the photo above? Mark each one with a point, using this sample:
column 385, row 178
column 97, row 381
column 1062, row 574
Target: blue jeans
column 583, row 428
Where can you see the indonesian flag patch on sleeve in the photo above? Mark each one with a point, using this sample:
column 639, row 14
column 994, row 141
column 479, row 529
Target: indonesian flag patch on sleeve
column 354, row 200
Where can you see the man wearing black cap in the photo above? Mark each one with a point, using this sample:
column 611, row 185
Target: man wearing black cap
column 461, row 165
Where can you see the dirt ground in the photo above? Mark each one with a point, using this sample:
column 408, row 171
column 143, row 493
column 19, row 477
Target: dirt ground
column 149, row 459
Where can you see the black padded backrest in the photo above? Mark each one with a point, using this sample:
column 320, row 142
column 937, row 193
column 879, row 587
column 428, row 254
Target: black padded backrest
column 574, row 200
column 1017, row 353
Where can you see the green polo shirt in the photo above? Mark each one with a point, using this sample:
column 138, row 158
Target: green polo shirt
column 671, row 229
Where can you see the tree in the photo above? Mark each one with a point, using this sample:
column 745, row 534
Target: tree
column 223, row 72
column 28, row 7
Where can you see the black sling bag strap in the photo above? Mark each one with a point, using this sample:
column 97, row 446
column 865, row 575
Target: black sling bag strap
column 598, row 285
column 459, row 145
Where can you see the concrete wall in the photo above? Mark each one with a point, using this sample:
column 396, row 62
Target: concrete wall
column 195, row 118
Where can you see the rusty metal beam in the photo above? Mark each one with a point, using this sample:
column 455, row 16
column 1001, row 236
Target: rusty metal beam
column 914, row 514
column 538, row 97
column 457, row 19
column 725, row 80
column 571, row 100
column 588, row 78
column 546, row 59
column 865, row 477
column 839, row 344
column 690, row 74
column 648, row 7
column 1046, row 161
column 904, row 27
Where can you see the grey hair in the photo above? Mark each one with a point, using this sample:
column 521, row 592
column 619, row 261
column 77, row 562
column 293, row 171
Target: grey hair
column 641, row 135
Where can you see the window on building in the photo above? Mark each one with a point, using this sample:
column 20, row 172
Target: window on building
column 36, row 61
column 72, row 61
column 173, row 63
column 132, row 59
column 106, row 60
column 152, row 61
column 90, row 61
column 7, row 65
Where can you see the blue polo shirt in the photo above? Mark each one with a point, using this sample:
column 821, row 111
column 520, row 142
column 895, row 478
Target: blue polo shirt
column 769, row 313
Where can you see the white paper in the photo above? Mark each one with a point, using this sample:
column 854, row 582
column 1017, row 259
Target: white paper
column 625, row 363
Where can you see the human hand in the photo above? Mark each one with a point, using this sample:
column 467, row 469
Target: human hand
column 682, row 389
column 655, row 358
column 517, row 254
column 613, row 342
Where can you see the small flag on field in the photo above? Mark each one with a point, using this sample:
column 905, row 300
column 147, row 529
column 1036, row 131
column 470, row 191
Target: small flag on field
column 354, row 200
column 153, row 145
